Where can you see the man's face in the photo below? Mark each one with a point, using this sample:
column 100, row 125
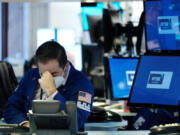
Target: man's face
column 52, row 66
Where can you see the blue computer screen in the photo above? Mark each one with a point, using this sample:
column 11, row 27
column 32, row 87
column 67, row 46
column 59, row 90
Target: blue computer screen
column 162, row 24
column 122, row 71
column 157, row 81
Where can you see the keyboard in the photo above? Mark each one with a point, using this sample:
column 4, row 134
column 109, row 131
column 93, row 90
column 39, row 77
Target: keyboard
column 167, row 129
column 9, row 128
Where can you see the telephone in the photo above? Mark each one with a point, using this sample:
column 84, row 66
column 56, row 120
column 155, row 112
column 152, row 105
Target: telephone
column 167, row 129
column 99, row 114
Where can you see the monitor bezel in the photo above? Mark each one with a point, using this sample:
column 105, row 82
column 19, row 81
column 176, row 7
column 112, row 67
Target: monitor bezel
column 109, row 80
column 148, row 104
column 176, row 52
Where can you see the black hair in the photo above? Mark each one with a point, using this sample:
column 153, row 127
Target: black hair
column 32, row 61
column 51, row 50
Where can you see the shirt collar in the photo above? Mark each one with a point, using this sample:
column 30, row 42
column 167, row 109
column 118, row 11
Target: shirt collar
column 66, row 77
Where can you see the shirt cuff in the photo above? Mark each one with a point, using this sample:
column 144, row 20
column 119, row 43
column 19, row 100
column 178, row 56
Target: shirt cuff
column 52, row 96
column 23, row 123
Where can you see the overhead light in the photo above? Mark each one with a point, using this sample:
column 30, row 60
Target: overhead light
column 88, row 3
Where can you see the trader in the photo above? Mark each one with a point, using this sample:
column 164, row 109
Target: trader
column 55, row 78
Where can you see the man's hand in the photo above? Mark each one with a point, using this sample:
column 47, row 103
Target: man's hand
column 47, row 83
column 26, row 124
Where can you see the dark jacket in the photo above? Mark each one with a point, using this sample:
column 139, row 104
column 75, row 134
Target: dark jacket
column 21, row 100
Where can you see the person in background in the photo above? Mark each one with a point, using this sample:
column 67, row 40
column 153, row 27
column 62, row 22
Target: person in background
column 32, row 63
column 54, row 79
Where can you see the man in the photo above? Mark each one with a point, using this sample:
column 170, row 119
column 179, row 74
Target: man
column 55, row 78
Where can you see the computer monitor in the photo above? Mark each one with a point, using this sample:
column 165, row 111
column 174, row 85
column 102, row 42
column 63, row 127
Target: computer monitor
column 47, row 118
column 90, row 10
column 95, row 27
column 157, row 82
column 121, row 73
column 95, row 12
column 94, row 9
column 162, row 25
column 45, row 106
column 44, row 112
column 110, row 18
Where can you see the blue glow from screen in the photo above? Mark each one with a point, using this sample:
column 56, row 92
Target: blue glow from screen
column 163, row 24
column 122, row 72
column 157, row 81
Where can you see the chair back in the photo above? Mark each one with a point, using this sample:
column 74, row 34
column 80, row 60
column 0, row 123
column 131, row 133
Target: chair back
column 8, row 83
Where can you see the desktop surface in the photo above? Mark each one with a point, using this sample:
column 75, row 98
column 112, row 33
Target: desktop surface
column 142, row 132
column 116, row 106
column 105, row 126
column 10, row 128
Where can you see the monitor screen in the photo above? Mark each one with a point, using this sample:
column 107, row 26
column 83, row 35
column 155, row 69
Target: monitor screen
column 162, row 25
column 90, row 10
column 121, row 73
column 47, row 115
column 157, row 82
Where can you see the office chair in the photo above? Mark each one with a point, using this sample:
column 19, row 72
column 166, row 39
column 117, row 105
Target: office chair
column 8, row 83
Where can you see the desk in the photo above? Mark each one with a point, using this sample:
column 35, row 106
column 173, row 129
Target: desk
column 116, row 107
column 126, row 114
column 105, row 126
column 144, row 132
